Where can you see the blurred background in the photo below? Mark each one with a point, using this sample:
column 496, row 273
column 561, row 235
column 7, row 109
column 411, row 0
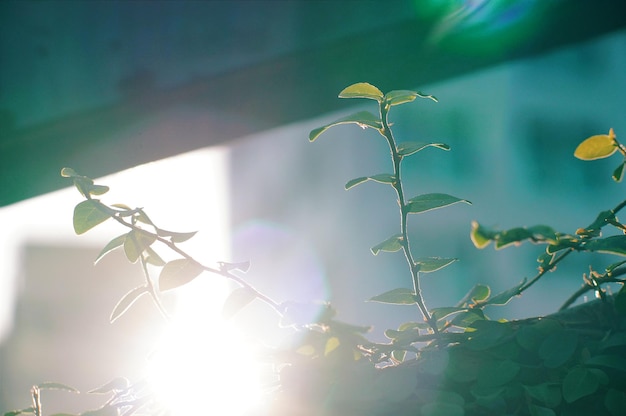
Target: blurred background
column 200, row 112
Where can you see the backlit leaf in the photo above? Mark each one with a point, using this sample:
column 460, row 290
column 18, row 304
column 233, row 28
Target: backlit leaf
column 68, row 173
column 236, row 301
column 398, row 97
column 596, row 147
column 618, row 173
column 362, row 90
column 331, row 344
column 504, row 297
column 432, row 264
column 579, row 382
column 88, row 214
column 392, row 244
column 363, row 118
column 427, row 202
column 178, row 272
column 442, row 313
column 136, row 243
column 408, row 148
column 481, row 236
column 613, row 245
column 56, row 386
column 153, row 258
column 476, row 294
column 115, row 385
column 111, row 245
column 126, row 302
column 400, row 296
column 381, row 178
column 176, row 237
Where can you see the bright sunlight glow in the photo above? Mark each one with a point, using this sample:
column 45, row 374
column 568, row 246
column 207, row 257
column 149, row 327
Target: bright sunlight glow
column 201, row 365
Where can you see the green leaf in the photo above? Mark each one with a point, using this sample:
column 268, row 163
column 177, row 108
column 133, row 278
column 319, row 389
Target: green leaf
column 380, row 178
column 481, row 236
column 137, row 241
column 618, row 173
column 497, row 373
column 503, row 298
column 392, row 244
column 56, row 386
column 88, row 214
column 237, row 300
column 442, row 313
column 400, row 296
column 153, row 258
column 596, row 147
column 427, row 202
column 30, row 410
column 178, row 272
column 127, row 301
column 398, row 97
column 540, row 410
column 549, row 394
column 558, row 348
column 116, row 385
column 477, row 293
column 432, row 264
column 409, row 148
column 616, row 362
column 613, row 245
column 579, row 382
column 243, row 266
column 68, row 173
column 615, row 402
column 362, row 90
column 174, row 236
column 111, row 245
column 363, row 118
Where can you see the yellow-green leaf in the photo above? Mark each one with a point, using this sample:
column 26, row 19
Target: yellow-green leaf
column 88, row 214
column 427, row 202
column 111, row 245
column 126, row 302
column 362, row 90
column 178, row 272
column 136, row 242
column 363, row 119
column 596, row 147
column 400, row 296
column 393, row 243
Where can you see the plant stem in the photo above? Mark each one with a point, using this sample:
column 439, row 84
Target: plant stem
column 406, row 248
column 152, row 289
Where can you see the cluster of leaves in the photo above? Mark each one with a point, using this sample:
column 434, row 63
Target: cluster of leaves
column 464, row 362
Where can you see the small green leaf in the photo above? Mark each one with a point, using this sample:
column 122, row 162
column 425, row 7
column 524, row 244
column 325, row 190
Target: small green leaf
column 153, row 258
column 497, row 373
column 178, row 272
column 596, row 147
column 56, row 386
column 615, row 244
column 29, row 410
column 243, row 266
column 427, row 202
column 579, row 382
column 363, row 118
column 615, row 402
column 432, row 264
column 398, row 97
column 477, row 293
column 126, row 302
column 137, row 241
column 332, row 344
column 88, row 214
column 116, row 385
column 143, row 217
column 380, row 178
column 442, row 313
column 392, row 244
column 362, row 90
column 68, row 173
column 558, row 348
column 618, row 173
column 409, row 148
column 237, row 300
column 481, row 236
column 504, row 297
column 549, row 394
column 400, row 296
column 176, row 237
column 111, row 245
column 512, row 236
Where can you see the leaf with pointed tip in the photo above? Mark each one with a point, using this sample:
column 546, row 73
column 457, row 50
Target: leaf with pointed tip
column 126, row 302
column 408, row 148
column 442, row 313
column 393, row 243
column 178, row 272
column 243, row 266
column 504, row 297
column 618, row 173
column 364, row 119
column 176, row 237
column 380, row 178
column 432, row 264
column 615, row 244
column 136, row 243
column 68, row 173
column 477, row 293
column 400, row 296
column 153, row 258
column 116, row 385
column 29, row 410
column 596, row 147
column 143, row 217
column 237, row 300
column 362, row 90
column 481, row 236
column 88, row 214
column 397, row 97
column 579, row 382
column 50, row 385
column 428, row 202
column 111, row 245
